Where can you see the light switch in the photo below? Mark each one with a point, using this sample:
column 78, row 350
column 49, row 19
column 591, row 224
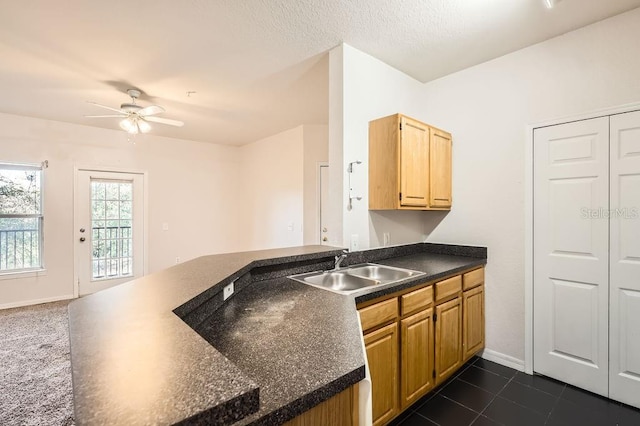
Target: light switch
column 165, row 226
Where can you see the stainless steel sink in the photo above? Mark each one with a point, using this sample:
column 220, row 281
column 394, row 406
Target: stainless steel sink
column 356, row 277
column 338, row 281
column 382, row 273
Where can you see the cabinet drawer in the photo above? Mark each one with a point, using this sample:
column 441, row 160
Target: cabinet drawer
column 448, row 288
column 379, row 313
column 473, row 279
column 416, row 300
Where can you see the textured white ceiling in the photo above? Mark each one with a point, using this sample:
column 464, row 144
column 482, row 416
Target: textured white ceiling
column 258, row 66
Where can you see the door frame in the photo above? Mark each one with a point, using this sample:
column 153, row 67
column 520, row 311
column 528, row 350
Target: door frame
column 528, row 214
column 319, row 166
column 145, row 217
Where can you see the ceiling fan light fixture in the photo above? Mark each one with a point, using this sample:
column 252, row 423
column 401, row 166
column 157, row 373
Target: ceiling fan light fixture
column 128, row 126
column 135, row 118
column 134, row 125
column 143, row 126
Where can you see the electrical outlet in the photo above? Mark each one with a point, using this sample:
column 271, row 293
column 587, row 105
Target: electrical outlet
column 355, row 243
column 227, row 291
column 165, row 226
column 177, row 259
column 386, row 239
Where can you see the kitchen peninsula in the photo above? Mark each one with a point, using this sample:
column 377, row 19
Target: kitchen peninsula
column 167, row 349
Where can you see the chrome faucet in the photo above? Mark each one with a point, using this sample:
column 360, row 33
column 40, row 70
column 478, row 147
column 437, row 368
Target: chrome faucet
column 339, row 260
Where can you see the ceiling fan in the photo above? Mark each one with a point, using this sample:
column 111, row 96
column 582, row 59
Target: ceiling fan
column 135, row 119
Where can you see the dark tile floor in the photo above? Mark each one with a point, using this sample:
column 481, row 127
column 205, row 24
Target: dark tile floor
column 484, row 393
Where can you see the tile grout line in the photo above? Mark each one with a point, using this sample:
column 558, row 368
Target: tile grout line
column 444, row 385
column 496, row 396
column 480, row 414
column 457, row 377
column 540, row 390
column 436, row 392
column 439, row 391
column 555, row 404
column 512, row 379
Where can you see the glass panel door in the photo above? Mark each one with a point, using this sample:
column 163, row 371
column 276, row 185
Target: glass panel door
column 109, row 229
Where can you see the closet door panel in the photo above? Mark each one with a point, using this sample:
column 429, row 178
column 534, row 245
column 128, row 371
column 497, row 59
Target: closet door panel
column 571, row 293
column 624, row 222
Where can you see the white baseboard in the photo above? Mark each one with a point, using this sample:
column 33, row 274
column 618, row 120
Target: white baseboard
column 36, row 302
column 502, row 359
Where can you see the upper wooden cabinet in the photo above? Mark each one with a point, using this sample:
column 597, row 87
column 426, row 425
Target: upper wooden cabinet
column 439, row 169
column 409, row 165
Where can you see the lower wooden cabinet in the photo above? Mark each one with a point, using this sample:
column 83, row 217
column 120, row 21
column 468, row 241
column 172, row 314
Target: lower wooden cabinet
column 417, row 347
column 416, row 362
column 473, row 322
column 448, row 339
column 382, row 354
column 339, row 410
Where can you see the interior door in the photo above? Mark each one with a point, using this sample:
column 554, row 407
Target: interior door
column 324, row 204
column 571, row 293
column 414, row 163
column 109, row 229
column 624, row 272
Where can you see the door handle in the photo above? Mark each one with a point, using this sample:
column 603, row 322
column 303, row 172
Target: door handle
column 82, row 239
column 325, row 239
column 81, row 229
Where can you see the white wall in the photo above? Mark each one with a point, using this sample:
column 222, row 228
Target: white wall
column 214, row 198
column 487, row 108
column 370, row 89
column 271, row 191
column 336, row 146
column 188, row 188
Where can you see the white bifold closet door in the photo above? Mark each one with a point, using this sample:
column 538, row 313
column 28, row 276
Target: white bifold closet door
column 571, row 253
column 587, row 254
column 624, row 384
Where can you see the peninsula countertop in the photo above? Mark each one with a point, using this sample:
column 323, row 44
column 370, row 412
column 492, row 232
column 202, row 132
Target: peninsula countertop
column 165, row 349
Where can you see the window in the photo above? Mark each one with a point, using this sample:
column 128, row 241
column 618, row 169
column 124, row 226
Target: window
column 21, row 217
column 111, row 234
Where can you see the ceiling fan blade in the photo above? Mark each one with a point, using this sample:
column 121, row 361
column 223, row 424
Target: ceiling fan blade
column 165, row 121
column 150, row 110
column 105, row 116
column 106, row 107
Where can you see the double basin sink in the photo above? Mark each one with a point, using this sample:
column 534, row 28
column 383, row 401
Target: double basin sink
column 353, row 278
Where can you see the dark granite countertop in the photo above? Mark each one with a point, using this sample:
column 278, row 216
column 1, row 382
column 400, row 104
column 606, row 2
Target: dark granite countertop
column 134, row 361
column 166, row 349
column 254, row 330
column 435, row 266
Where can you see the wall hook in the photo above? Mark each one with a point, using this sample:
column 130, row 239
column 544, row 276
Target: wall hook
column 352, row 196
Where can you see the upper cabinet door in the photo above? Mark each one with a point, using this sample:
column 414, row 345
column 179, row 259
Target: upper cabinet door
column 414, row 163
column 409, row 165
column 440, row 169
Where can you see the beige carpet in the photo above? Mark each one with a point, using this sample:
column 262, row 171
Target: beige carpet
column 35, row 371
